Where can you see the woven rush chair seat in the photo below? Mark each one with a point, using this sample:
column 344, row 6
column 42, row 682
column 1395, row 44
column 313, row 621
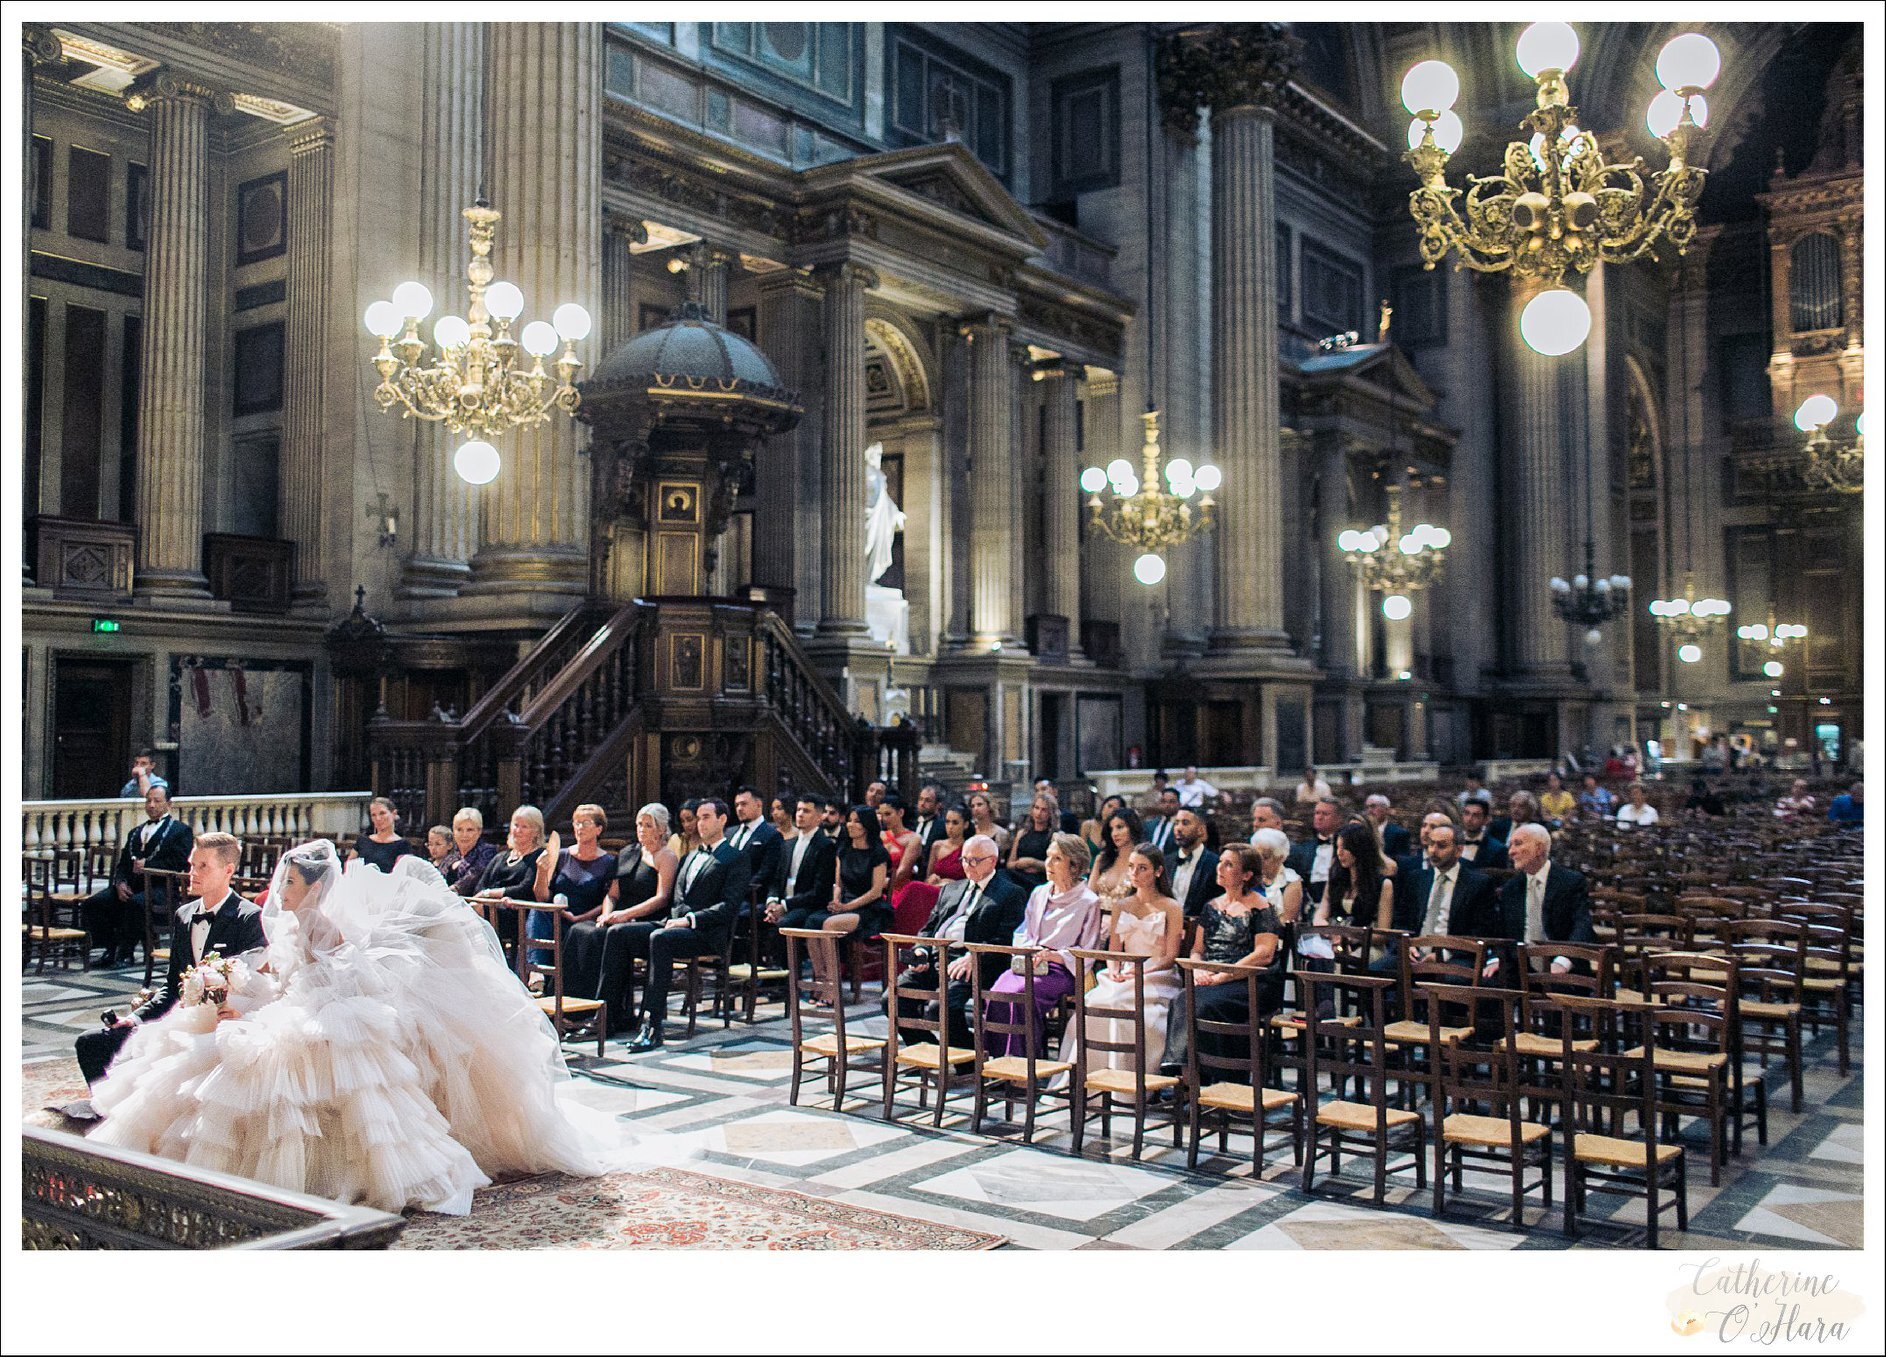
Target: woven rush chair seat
column 826, row 1044
column 1596, row 1149
column 1464, row 1128
column 1360, row 1116
column 1685, row 1062
column 1531, row 1043
column 1416, row 1033
column 571, row 1004
column 742, row 971
column 1243, row 1098
column 928, row 1057
column 1122, row 1081
column 1761, row 1008
column 1014, row 1068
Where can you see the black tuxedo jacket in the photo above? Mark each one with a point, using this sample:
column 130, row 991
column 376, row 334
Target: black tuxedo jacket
column 994, row 919
column 1567, row 907
column 235, row 928
column 1492, row 854
column 1473, row 912
column 762, row 853
column 1396, row 841
column 1204, row 883
column 165, row 846
column 718, row 894
column 1302, row 861
column 1159, row 833
column 813, row 889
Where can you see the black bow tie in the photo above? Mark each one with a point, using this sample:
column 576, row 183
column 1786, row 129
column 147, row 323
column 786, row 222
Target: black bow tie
column 1320, row 840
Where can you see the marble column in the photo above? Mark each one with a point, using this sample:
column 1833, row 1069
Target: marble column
column 1337, row 578
column 992, row 517
column 1541, row 503
column 616, row 324
column 841, row 591
column 1061, row 495
column 786, row 470
column 171, row 415
column 545, row 155
column 708, row 270
column 1101, row 563
column 304, row 479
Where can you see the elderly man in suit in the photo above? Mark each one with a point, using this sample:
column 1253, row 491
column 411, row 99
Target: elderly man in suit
column 983, row 907
column 710, row 893
column 1266, row 813
column 1393, row 838
column 115, row 915
column 1543, row 902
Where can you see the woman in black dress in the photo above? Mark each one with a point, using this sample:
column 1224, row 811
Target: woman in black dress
column 584, row 876
column 1239, row 928
column 1360, row 893
column 599, row 960
column 522, row 870
column 384, row 846
column 860, row 895
column 1028, row 850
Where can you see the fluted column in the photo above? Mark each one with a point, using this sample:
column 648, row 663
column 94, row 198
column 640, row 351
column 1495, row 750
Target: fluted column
column 546, row 178
column 1540, row 505
column 616, row 324
column 304, row 478
column 707, row 279
column 1337, row 578
column 992, row 516
column 1061, row 494
column 841, row 592
column 786, row 470
column 171, row 388
column 1101, row 566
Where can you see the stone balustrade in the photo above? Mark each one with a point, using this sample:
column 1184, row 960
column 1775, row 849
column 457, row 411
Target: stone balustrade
column 1135, row 783
column 49, row 825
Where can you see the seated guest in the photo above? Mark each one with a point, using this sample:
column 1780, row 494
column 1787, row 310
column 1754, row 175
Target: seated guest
column 1360, row 894
column 1281, row 887
column 1239, row 928
column 583, row 874
column 875, row 793
column 1147, row 923
column 439, row 847
column 832, row 820
column 687, row 838
column 779, row 815
column 1091, row 829
column 1636, row 813
column 982, row 820
column 1312, row 789
column 144, row 776
column 1797, row 804
column 1595, row 800
column 1849, row 808
column 470, row 853
column 600, row 954
column 1556, row 804
column 1446, row 895
column 521, row 872
column 927, row 825
column 977, row 906
column 946, row 865
column 1542, row 902
column 1476, row 845
column 1313, row 858
column 710, row 890
column 1062, row 914
column 1194, row 867
column 861, row 901
column 1159, row 826
column 1476, row 791
column 384, row 846
column 1703, row 799
column 1392, row 837
column 114, row 916
column 1065, row 821
column 906, row 855
column 1028, row 850
column 1266, row 813
column 1522, row 808
column 1194, row 790
column 751, row 833
column 800, row 894
column 1108, row 877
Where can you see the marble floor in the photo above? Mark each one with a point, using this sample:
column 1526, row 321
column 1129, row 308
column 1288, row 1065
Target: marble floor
column 719, row 1104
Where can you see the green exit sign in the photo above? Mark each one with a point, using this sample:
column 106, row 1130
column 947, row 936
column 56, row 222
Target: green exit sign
column 104, row 624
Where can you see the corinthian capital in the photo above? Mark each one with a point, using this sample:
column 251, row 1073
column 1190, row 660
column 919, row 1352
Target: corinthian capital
column 1224, row 67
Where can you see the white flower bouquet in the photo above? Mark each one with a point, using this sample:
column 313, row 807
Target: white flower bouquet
column 213, row 979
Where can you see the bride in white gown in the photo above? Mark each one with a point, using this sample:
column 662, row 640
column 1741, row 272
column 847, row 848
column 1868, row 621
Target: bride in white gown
column 384, row 1054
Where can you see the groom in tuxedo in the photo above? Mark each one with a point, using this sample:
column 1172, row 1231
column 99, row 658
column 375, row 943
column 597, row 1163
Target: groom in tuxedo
column 986, row 907
column 710, row 893
column 216, row 919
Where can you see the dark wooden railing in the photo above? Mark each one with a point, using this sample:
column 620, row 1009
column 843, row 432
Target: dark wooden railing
column 808, row 708
column 547, row 751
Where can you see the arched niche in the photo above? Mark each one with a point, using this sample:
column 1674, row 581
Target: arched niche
column 901, row 412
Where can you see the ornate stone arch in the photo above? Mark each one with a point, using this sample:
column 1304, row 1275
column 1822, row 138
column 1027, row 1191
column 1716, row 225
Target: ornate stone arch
column 898, row 367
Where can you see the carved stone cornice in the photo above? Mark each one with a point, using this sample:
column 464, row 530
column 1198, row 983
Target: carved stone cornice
column 169, row 87
column 1224, row 67
column 625, row 224
column 41, row 46
column 305, row 138
column 844, row 271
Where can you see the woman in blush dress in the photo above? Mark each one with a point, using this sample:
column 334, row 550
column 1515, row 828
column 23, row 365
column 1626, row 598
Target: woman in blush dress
column 1061, row 915
column 1147, row 923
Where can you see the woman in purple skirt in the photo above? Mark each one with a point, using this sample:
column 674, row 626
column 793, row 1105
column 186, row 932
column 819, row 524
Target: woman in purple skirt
column 1061, row 915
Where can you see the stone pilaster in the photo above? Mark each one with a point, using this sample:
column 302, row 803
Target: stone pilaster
column 708, row 269
column 841, row 591
column 1337, row 577
column 786, row 470
column 171, row 392
column 616, row 324
column 1061, row 494
column 992, row 516
column 304, row 479
column 1540, row 505
column 1100, row 558
column 546, row 178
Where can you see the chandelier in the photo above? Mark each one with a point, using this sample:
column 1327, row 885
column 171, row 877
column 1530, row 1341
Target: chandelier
column 1396, row 563
column 1558, row 205
column 1139, row 513
column 1689, row 618
column 1590, row 600
column 1777, row 636
column 482, row 380
column 1839, row 467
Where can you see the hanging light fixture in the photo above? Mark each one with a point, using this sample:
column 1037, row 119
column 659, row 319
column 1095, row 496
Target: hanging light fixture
column 1591, row 599
column 1688, row 616
column 1839, row 467
column 1392, row 562
column 1558, row 206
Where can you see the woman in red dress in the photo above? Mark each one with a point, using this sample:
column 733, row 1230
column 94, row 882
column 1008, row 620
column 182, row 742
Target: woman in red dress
column 912, row 902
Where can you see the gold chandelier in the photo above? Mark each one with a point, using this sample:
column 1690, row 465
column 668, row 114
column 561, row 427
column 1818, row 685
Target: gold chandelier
column 1557, row 206
column 482, row 380
column 1839, row 467
column 1139, row 513
column 1689, row 618
column 1396, row 563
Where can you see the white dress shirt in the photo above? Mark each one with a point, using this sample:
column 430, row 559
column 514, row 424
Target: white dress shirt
column 1325, row 854
column 1440, row 902
column 1182, row 874
column 795, row 859
column 1194, row 792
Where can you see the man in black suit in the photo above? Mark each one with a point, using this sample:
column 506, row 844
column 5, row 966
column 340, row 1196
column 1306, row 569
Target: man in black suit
column 1476, row 845
column 800, row 894
column 710, row 890
column 928, row 826
column 1161, row 827
column 832, row 820
column 1543, row 902
column 753, row 836
column 1393, row 838
column 1445, row 894
column 215, row 919
column 114, row 916
column 1313, row 858
column 1190, row 865
column 985, row 907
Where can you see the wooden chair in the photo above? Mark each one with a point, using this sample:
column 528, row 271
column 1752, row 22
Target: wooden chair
column 1332, row 1046
column 1004, row 1073
column 1245, row 1093
column 749, row 976
column 1695, row 1023
column 164, row 894
column 1431, row 959
column 45, row 938
column 567, row 1013
column 1602, row 1087
column 1137, row 1083
column 1475, row 1110
column 821, row 991
column 1351, row 947
column 1771, row 969
column 925, row 1062
column 1829, row 971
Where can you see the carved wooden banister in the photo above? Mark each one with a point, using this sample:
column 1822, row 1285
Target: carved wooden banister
column 807, row 705
column 540, row 666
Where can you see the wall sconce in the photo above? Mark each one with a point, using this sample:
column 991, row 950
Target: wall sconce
column 385, row 517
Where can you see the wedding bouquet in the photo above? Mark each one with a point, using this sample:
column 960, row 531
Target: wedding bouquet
column 213, row 979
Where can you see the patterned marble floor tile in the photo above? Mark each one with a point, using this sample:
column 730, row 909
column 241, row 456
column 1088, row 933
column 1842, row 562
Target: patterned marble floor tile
column 1331, row 1225
column 1828, row 1219
column 1843, row 1146
column 1078, row 1190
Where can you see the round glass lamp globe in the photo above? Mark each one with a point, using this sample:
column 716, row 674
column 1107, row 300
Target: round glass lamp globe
column 1346, row 539
column 571, row 321
column 1815, row 411
column 1594, row 638
column 1208, row 478
column 539, row 339
column 1149, row 569
column 476, row 462
column 1448, row 131
column 1547, row 46
column 383, row 319
column 1688, row 61
column 1859, row 425
column 413, row 300
column 451, row 332
column 1429, row 87
column 1441, row 538
column 1773, row 669
column 1178, row 469
column 1689, row 653
column 1555, row 322
column 1397, row 607
column 504, row 300
column 1093, row 480
column 1119, row 470
column 1666, row 111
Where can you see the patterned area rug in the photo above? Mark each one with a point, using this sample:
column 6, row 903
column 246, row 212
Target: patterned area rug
column 667, row 1208
column 49, row 1082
